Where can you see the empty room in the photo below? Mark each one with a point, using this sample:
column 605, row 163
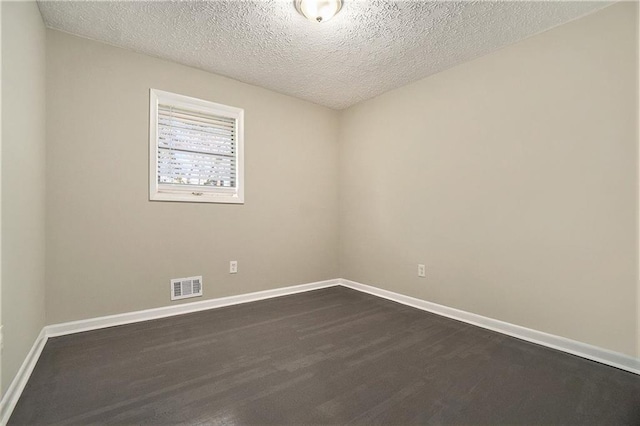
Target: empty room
column 244, row 212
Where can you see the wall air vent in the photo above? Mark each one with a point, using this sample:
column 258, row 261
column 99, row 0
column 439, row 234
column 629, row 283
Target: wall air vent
column 182, row 288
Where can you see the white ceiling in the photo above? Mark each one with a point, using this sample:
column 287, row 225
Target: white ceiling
column 369, row 48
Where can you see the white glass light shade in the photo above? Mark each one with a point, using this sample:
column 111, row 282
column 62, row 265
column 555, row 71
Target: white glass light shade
column 318, row 10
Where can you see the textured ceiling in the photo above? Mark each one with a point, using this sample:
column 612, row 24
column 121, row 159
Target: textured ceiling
column 368, row 48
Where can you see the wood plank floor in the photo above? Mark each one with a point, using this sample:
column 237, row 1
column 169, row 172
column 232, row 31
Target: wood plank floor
column 331, row 356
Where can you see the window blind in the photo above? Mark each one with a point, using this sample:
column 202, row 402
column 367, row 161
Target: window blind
column 195, row 148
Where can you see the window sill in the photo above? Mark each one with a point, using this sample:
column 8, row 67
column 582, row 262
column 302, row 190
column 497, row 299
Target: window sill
column 204, row 198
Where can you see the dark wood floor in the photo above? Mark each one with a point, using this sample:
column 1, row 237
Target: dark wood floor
column 331, row 356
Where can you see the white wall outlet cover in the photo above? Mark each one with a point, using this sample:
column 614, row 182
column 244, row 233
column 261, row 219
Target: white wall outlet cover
column 421, row 270
column 233, row 267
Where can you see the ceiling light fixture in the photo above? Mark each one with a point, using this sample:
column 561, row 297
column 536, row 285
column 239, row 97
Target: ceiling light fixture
column 318, row 10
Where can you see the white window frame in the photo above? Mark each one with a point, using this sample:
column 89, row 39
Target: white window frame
column 159, row 192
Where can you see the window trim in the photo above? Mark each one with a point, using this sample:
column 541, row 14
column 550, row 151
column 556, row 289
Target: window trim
column 186, row 194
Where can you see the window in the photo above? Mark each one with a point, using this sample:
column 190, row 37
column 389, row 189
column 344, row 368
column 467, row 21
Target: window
column 195, row 150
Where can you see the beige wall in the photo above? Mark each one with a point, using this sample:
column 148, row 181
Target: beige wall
column 513, row 178
column 23, row 182
column 110, row 250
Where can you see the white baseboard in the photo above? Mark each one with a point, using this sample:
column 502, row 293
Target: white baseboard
column 584, row 350
column 604, row 356
column 12, row 395
column 186, row 308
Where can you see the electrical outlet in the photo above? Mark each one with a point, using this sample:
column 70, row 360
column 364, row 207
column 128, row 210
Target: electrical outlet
column 233, row 267
column 421, row 271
